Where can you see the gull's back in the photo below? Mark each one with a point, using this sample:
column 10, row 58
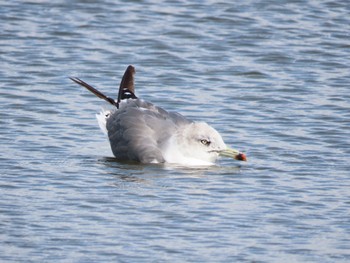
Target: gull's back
column 139, row 131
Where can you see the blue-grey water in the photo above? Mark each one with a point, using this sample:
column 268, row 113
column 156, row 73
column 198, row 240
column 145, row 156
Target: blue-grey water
column 273, row 77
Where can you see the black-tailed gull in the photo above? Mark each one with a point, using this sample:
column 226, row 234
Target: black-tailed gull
column 140, row 131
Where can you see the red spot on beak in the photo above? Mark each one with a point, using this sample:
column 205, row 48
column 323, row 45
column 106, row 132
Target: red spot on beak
column 241, row 157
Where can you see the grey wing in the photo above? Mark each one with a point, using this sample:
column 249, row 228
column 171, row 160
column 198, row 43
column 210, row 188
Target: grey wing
column 138, row 130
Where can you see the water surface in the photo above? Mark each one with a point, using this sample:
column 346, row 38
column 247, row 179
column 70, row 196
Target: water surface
column 271, row 76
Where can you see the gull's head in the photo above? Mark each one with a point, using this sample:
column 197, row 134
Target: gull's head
column 202, row 142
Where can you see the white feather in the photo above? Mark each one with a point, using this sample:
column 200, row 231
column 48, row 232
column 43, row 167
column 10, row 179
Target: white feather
column 102, row 119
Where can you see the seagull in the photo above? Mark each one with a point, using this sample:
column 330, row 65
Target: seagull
column 142, row 132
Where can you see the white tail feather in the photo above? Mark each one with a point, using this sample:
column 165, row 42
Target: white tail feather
column 102, row 118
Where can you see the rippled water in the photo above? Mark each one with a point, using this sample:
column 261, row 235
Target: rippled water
column 272, row 76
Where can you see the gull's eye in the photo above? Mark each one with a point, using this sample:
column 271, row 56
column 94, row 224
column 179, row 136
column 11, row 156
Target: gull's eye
column 205, row 142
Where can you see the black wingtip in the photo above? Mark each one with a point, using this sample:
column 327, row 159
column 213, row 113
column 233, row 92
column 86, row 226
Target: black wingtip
column 94, row 91
column 127, row 87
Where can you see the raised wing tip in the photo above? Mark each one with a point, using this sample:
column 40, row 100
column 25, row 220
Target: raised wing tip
column 131, row 69
column 127, row 87
column 94, row 91
column 76, row 80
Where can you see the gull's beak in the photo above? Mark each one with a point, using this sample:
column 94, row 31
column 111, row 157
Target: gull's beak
column 232, row 153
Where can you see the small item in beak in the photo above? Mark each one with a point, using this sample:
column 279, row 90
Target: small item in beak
column 241, row 157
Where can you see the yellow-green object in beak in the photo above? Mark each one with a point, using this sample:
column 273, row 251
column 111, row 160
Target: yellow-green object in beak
column 232, row 153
